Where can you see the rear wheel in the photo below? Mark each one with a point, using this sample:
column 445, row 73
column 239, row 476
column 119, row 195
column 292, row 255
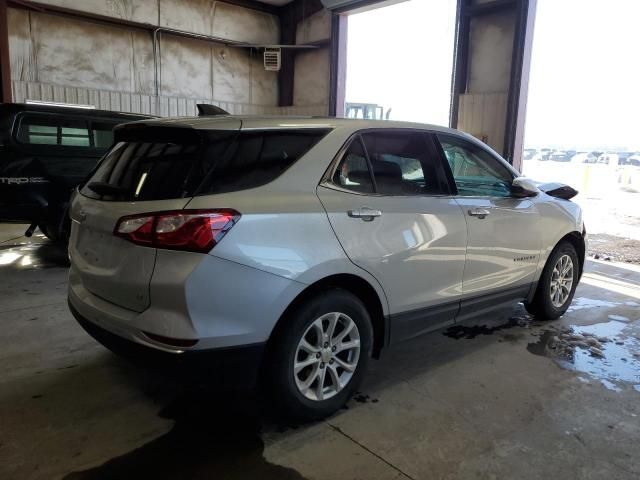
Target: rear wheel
column 557, row 284
column 320, row 355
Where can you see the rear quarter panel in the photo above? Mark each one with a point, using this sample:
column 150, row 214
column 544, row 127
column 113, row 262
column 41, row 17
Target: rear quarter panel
column 284, row 229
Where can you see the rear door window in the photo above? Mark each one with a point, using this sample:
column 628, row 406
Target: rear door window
column 404, row 164
column 160, row 163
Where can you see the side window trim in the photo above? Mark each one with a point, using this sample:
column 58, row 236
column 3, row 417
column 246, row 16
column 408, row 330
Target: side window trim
column 453, row 188
column 369, row 166
column 435, row 149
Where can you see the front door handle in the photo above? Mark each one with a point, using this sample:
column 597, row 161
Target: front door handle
column 365, row 213
column 479, row 212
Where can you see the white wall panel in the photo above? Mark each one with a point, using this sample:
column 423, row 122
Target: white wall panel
column 483, row 115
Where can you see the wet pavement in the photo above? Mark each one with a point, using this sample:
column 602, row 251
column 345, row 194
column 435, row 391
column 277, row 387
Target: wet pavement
column 507, row 398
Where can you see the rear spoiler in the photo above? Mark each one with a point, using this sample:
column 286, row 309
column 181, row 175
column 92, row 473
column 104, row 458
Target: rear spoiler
column 558, row 190
column 206, row 110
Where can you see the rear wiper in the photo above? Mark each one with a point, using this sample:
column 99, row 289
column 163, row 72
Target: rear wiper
column 102, row 188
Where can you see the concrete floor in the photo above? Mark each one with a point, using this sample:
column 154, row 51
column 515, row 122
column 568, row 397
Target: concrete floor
column 490, row 402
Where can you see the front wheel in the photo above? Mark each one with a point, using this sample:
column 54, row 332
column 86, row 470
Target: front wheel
column 557, row 284
column 320, row 355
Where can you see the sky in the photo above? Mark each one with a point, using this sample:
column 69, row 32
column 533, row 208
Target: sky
column 584, row 89
column 401, row 57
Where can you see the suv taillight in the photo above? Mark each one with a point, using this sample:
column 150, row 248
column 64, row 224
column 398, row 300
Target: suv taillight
column 189, row 230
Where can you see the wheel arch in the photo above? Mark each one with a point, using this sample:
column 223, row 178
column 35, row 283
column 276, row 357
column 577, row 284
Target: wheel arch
column 577, row 240
column 356, row 285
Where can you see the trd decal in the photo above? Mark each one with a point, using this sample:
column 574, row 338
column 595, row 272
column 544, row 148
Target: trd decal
column 22, row 180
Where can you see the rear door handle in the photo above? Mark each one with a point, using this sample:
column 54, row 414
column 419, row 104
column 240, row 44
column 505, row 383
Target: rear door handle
column 365, row 213
column 479, row 212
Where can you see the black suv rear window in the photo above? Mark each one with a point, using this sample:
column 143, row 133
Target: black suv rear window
column 60, row 130
column 164, row 165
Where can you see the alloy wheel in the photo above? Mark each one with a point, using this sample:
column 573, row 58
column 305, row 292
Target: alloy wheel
column 561, row 281
column 327, row 356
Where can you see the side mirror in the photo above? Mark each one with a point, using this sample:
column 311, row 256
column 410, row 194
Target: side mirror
column 523, row 188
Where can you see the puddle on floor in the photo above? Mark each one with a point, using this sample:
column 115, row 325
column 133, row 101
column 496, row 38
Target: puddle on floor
column 608, row 352
column 580, row 303
column 458, row 332
column 211, row 438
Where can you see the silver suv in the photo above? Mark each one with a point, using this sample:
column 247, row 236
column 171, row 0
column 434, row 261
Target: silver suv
column 292, row 250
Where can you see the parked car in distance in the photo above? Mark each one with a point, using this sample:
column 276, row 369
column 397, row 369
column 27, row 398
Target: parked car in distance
column 542, row 156
column 290, row 251
column 584, row 157
column 45, row 152
column 561, row 156
column 634, row 160
column 529, row 153
column 610, row 159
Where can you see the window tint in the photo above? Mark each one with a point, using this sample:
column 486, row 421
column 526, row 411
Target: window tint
column 40, row 134
column 402, row 164
column 353, row 172
column 155, row 166
column 77, row 136
column 38, row 129
column 256, row 158
column 102, row 134
column 475, row 171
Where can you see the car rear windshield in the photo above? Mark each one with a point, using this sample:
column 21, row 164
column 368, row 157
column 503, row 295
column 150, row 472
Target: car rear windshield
column 163, row 163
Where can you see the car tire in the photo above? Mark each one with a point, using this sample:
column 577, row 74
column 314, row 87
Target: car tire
column 285, row 377
column 556, row 289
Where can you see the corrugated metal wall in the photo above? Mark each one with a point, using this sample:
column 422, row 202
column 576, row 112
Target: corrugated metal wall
column 147, row 104
column 73, row 61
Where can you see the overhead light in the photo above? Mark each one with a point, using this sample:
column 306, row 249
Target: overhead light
column 58, row 104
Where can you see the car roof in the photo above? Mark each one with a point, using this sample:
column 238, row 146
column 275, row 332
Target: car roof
column 12, row 108
column 262, row 122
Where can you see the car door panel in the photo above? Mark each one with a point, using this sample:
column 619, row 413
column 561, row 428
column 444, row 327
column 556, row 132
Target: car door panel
column 415, row 249
column 503, row 247
column 504, row 238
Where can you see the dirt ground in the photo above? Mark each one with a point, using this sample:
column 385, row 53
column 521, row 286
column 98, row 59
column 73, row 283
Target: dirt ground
column 609, row 247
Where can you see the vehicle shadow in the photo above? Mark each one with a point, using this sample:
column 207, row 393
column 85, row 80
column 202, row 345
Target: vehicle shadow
column 213, row 436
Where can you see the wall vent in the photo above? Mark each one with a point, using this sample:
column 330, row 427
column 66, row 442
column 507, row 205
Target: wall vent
column 272, row 59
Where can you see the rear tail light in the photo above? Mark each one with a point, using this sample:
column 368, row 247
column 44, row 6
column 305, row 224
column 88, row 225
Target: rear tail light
column 189, row 230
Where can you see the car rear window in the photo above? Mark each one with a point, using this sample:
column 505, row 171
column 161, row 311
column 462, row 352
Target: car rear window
column 169, row 163
column 47, row 129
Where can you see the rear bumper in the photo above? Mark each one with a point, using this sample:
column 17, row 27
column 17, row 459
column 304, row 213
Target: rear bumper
column 235, row 367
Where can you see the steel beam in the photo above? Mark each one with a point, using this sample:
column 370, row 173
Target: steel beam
column 338, row 65
column 5, row 62
column 290, row 15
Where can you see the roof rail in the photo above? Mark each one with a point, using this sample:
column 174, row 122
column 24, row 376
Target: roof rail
column 205, row 109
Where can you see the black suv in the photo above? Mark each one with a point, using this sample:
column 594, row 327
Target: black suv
column 45, row 152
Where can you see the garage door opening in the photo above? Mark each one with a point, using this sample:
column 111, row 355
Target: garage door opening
column 582, row 115
column 399, row 62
